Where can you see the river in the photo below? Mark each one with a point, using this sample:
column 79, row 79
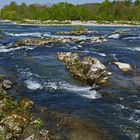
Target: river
column 39, row 76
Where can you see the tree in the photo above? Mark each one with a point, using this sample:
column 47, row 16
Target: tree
column 108, row 10
column 137, row 2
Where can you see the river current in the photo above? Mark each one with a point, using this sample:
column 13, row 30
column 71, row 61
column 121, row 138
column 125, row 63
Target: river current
column 39, row 76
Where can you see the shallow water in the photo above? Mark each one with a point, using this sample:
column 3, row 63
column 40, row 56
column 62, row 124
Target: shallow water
column 46, row 81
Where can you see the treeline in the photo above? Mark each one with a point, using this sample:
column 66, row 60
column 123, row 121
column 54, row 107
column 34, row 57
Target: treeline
column 115, row 10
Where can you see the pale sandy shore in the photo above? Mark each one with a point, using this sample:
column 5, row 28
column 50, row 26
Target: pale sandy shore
column 77, row 23
column 111, row 25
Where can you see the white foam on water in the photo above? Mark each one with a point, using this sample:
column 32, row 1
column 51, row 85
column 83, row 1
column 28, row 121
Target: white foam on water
column 25, row 72
column 83, row 91
column 51, row 86
column 33, row 85
column 73, row 48
column 101, row 54
column 80, row 90
column 79, row 46
column 6, row 49
column 130, row 48
column 138, row 102
column 34, row 34
column 30, row 79
column 48, row 34
column 137, row 48
column 115, row 36
column 134, row 117
column 133, row 135
column 131, row 38
column 85, row 51
column 134, row 49
column 81, row 37
column 134, row 120
column 121, row 106
column 137, row 111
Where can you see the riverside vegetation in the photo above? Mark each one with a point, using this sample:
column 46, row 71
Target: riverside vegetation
column 120, row 10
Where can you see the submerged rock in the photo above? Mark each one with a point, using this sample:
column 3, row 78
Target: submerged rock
column 88, row 70
column 98, row 39
column 124, row 67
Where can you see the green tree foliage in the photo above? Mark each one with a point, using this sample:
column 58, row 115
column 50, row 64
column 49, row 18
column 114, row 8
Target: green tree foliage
column 137, row 3
column 107, row 10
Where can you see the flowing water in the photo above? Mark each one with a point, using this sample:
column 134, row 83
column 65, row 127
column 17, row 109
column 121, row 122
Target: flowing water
column 44, row 79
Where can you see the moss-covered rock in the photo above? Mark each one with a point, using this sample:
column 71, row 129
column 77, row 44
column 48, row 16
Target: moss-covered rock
column 15, row 116
column 88, row 70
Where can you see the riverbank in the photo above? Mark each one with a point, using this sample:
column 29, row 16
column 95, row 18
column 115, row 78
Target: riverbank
column 73, row 23
column 104, row 25
column 81, row 23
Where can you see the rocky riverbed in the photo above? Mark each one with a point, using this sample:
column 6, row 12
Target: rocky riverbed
column 92, row 94
column 16, row 117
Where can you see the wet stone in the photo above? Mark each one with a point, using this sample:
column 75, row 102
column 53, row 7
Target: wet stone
column 126, row 68
column 88, row 70
column 15, row 122
column 25, row 103
column 7, row 84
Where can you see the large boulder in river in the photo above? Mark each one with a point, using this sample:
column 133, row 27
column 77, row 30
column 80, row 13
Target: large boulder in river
column 124, row 67
column 88, row 70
